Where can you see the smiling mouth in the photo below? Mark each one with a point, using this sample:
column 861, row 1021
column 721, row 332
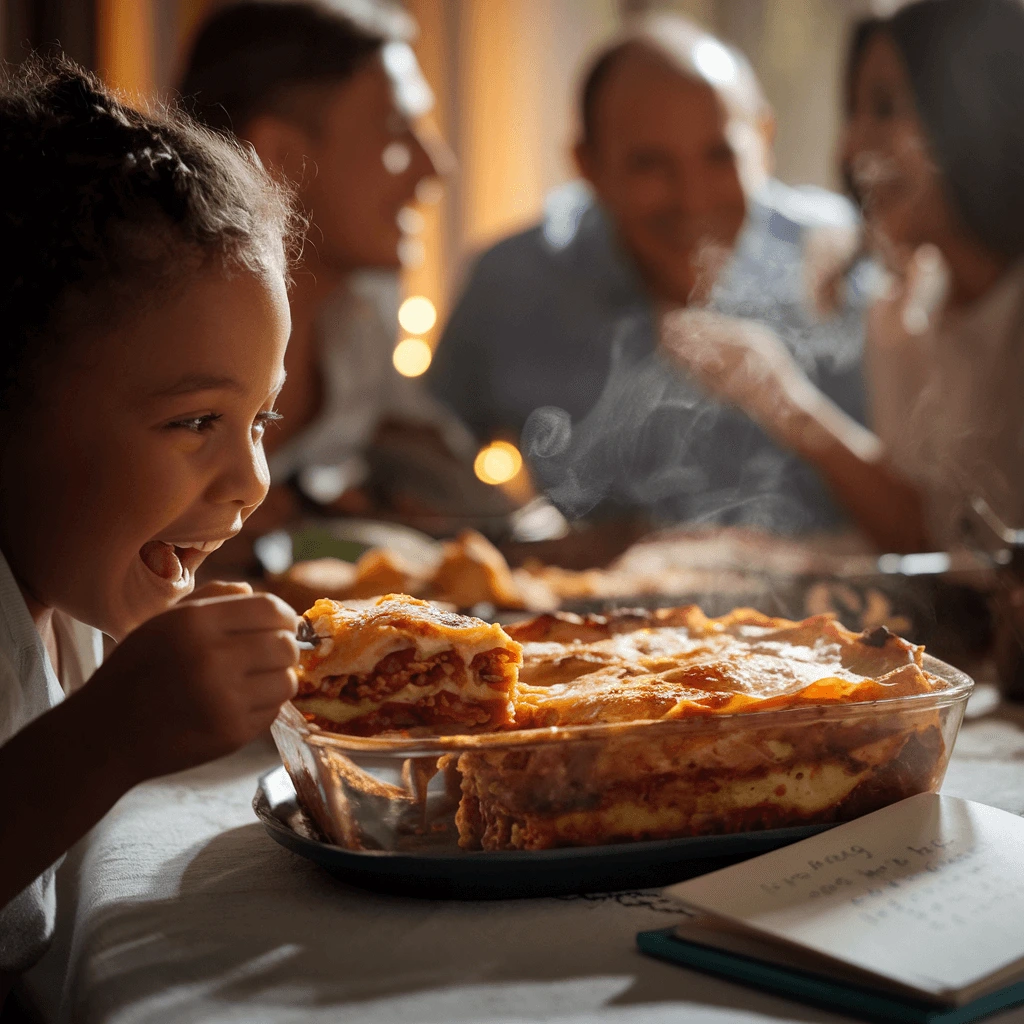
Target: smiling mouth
column 176, row 563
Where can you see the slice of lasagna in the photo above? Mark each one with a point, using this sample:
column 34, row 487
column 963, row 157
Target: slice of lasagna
column 731, row 771
column 404, row 664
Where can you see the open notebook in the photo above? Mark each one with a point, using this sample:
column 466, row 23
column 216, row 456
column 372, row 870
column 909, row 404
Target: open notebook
column 914, row 912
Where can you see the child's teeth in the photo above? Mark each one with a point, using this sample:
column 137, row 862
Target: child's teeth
column 162, row 560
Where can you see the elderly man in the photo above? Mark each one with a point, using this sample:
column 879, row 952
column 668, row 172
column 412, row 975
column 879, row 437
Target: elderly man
column 556, row 335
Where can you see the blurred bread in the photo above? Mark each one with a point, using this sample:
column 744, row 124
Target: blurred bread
column 474, row 571
column 303, row 583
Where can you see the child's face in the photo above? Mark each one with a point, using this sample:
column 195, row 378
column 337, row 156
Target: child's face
column 144, row 451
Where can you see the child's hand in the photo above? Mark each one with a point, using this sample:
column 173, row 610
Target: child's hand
column 198, row 681
column 217, row 588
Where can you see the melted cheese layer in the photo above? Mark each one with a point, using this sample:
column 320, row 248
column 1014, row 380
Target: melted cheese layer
column 342, row 712
column 356, row 640
column 803, row 789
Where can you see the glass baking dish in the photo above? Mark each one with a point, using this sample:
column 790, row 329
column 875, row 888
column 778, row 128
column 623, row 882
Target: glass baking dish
column 590, row 785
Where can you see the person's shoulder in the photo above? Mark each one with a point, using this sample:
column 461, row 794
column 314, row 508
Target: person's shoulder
column 376, row 292
column 14, row 712
column 808, row 206
column 515, row 255
column 515, row 273
column 357, row 301
column 566, row 227
column 357, row 326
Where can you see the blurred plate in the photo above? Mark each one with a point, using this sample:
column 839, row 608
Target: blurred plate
column 509, row 874
column 346, row 539
column 948, row 611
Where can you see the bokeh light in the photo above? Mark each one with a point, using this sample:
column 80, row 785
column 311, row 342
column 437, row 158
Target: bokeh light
column 714, row 61
column 396, row 157
column 410, row 220
column 417, row 314
column 411, row 252
column 412, row 357
column 498, row 462
column 429, row 191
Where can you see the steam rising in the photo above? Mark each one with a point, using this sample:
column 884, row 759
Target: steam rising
column 655, row 440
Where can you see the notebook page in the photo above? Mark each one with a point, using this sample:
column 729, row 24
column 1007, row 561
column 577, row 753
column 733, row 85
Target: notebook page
column 928, row 892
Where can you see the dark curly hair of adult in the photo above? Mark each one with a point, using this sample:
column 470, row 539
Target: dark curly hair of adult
column 106, row 210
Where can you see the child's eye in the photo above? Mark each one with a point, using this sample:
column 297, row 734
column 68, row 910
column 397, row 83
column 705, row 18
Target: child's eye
column 196, row 424
column 260, row 425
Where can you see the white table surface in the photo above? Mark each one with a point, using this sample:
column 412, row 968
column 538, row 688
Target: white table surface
column 179, row 907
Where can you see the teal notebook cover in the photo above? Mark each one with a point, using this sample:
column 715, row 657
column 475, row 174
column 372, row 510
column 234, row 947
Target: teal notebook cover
column 817, row 989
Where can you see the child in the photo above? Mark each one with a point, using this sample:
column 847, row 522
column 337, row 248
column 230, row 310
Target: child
column 145, row 319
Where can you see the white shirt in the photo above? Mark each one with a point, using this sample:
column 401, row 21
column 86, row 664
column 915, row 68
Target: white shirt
column 28, row 688
column 947, row 394
column 362, row 389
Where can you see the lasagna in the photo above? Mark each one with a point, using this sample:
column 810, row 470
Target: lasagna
column 403, row 664
column 720, row 775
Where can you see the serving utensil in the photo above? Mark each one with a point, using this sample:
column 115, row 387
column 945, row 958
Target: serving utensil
column 307, row 637
column 985, row 531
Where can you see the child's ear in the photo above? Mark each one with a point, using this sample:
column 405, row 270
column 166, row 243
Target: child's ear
column 281, row 145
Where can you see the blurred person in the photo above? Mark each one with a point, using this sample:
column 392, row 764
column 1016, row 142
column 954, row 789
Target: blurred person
column 555, row 337
column 934, row 148
column 332, row 103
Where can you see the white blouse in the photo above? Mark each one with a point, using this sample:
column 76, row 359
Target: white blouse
column 946, row 393
column 28, row 688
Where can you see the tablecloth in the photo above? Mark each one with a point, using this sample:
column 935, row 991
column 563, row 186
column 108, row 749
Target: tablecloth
column 179, row 907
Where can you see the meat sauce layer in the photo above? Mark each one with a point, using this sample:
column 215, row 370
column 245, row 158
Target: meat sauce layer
column 449, row 693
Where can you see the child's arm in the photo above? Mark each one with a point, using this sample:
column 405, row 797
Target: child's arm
column 190, row 685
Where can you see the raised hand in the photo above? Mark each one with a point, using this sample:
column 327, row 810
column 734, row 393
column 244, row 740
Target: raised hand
column 737, row 361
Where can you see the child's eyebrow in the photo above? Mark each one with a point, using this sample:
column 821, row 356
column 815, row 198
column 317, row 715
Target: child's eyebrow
column 198, row 382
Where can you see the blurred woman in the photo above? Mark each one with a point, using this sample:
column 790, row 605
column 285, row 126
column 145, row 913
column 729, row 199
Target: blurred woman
column 934, row 151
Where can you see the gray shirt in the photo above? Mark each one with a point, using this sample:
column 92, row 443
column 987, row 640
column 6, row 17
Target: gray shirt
column 555, row 340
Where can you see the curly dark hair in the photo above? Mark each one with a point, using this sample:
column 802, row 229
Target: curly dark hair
column 106, row 210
